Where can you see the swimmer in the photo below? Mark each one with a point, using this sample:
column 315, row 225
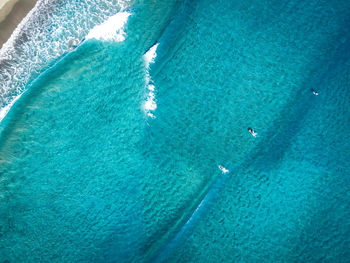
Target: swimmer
column 252, row 132
column 314, row 92
column 223, row 169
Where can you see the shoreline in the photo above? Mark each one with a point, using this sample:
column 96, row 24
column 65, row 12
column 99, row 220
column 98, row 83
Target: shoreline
column 12, row 13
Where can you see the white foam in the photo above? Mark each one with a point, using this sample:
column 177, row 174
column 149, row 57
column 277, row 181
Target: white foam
column 150, row 104
column 5, row 110
column 111, row 29
column 124, row 4
column 45, row 34
column 150, row 55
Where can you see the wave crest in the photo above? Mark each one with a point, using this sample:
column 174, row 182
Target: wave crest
column 49, row 30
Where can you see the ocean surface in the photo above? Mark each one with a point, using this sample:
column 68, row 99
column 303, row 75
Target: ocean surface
column 117, row 114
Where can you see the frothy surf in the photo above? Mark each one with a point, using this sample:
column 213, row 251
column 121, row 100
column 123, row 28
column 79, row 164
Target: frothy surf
column 5, row 110
column 53, row 32
column 112, row 29
column 150, row 104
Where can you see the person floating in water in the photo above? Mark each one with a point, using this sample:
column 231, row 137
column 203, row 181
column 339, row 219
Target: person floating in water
column 223, row 169
column 252, row 132
column 314, row 92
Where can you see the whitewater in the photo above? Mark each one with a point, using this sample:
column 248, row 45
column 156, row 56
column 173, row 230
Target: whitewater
column 44, row 36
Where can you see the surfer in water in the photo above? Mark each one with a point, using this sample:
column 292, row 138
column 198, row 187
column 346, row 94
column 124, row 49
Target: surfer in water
column 223, row 169
column 252, row 132
column 314, row 92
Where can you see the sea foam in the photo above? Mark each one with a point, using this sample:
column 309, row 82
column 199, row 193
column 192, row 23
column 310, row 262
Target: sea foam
column 50, row 30
column 112, row 29
column 150, row 104
column 5, row 110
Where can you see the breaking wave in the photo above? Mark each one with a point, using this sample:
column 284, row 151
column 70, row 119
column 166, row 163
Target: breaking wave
column 51, row 29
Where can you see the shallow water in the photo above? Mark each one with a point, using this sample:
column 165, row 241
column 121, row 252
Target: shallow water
column 112, row 157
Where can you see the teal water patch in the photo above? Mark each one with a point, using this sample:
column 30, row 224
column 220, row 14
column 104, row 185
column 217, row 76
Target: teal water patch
column 272, row 209
column 87, row 175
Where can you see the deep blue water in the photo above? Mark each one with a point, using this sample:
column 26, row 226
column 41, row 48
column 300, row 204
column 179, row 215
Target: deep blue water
column 89, row 174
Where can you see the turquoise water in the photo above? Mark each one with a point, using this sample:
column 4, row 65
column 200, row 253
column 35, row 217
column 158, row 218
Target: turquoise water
column 87, row 174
